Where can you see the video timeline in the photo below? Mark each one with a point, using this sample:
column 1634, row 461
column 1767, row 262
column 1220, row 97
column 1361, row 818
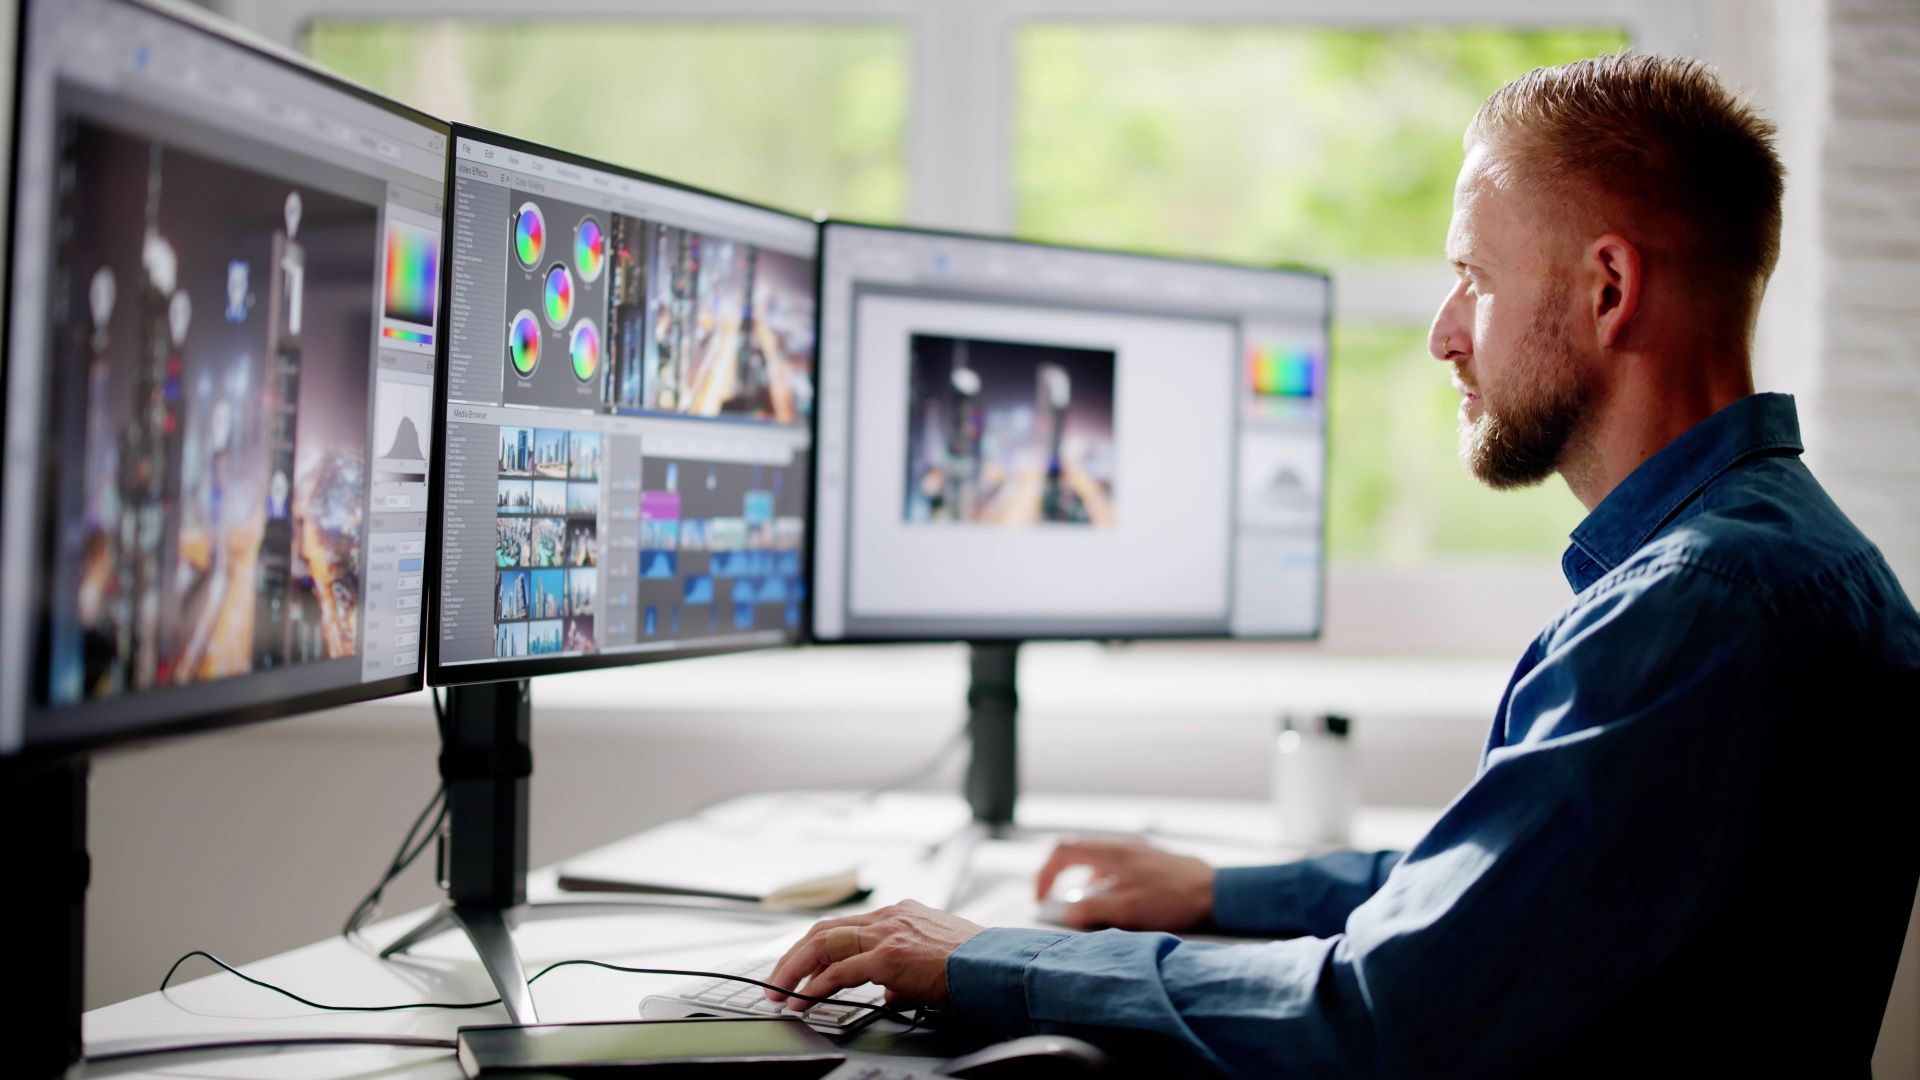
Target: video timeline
column 720, row 548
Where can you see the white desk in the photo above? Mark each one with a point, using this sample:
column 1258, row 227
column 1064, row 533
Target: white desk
column 337, row 971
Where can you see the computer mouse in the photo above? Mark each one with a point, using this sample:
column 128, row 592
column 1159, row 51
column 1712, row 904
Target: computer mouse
column 1054, row 908
column 1029, row 1056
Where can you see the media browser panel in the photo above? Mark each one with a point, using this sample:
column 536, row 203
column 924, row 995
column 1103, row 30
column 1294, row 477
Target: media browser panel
column 1021, row 441
column 628, row 401
column 221, row 328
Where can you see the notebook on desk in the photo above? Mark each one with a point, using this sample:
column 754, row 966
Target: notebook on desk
column 686, row 860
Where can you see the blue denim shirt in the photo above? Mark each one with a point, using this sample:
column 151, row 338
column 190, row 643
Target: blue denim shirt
column 1678, row 852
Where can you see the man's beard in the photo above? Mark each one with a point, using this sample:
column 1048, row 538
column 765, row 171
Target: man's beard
column 1523, row 442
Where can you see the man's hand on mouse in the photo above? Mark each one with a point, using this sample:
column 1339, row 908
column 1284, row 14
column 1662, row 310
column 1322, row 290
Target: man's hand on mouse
column 903, row 947
column 1136, row 886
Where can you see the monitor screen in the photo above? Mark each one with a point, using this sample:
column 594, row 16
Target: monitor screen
column 628, row 400
column 1026, row 441
column 221, row 318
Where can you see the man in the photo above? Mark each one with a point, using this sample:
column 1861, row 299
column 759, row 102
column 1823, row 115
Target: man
column 1682, row 849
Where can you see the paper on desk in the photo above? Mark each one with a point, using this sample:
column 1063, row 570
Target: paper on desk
column 687, row 859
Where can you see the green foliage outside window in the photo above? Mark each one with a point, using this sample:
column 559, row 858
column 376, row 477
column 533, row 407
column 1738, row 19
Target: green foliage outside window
column 1332, row 147
column 1263, row 144
column 806, row 116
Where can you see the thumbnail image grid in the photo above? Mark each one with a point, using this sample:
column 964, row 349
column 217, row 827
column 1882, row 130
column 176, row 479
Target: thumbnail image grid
column 546, row 541
column 706, row 326
column 720, row 548
column 1009, row 434
column 215, row 448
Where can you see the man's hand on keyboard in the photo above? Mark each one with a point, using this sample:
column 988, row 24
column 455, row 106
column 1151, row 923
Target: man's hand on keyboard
column 903, row 947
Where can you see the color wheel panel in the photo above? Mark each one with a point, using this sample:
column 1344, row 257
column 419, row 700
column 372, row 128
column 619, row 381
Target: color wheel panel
column 589, row 249
column 559, row 295
column 585, row 350
column 523, row 343
column 529, row 235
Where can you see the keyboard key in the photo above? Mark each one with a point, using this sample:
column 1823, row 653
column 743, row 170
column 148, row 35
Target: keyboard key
column 739, row 998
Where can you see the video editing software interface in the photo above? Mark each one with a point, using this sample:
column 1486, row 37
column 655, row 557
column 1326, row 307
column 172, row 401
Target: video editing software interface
column 1027, row 441
column 221, row 339
column 629, row 405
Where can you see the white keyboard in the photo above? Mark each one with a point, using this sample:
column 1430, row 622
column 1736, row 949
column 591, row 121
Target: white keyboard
column 726, row 997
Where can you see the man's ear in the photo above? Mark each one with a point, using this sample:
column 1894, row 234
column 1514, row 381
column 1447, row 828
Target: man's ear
column 1613, row 276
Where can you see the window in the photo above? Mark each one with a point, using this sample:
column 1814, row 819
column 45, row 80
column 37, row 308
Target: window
column 688, row 101
column 1321, row 131
column 1336, row 147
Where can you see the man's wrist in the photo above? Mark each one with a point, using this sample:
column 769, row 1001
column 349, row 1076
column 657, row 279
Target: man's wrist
column 986, row 976
column 1203, row 898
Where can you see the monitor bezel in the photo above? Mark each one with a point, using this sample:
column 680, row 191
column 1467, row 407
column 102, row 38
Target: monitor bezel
column 828, row 224
column 38, row 748
column 476, row 672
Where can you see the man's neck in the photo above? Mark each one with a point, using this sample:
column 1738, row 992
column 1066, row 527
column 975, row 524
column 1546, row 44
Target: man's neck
column 1654, row 400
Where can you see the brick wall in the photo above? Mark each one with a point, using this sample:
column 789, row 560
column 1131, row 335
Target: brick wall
column 1841, row 326
column 1858, row 155
column 1868, row 364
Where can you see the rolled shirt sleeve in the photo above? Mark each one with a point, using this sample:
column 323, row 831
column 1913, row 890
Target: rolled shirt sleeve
column 1312, row 897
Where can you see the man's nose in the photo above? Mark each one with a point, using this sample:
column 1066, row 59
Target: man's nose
column 1448, row 339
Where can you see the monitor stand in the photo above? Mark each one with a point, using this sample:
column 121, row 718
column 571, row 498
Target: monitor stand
column 45, row 807
column 993, row 710
column 486, row 762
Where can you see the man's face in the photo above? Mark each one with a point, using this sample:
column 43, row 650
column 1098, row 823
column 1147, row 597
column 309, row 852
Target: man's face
column 1525, row 387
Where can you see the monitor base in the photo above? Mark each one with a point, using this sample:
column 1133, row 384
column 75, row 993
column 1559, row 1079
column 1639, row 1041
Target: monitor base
column 486, row 763
column 45, row 807
column 490, row 932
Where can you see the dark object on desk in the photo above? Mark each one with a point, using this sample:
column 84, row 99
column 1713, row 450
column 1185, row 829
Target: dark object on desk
column 729, row 1047
column 1030, row 1056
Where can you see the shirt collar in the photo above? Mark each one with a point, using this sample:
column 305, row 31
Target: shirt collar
column 1643, row 503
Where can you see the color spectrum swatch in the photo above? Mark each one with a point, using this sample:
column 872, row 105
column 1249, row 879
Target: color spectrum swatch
column 413, row 268
column 589, row 250
column 523, row 343
column 586, row 350
column 1287, row 373
column 559, row 295
column 529, row 235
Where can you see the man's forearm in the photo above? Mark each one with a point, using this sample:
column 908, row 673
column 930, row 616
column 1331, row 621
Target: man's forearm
column 1311, row 898
column 1243, row 1010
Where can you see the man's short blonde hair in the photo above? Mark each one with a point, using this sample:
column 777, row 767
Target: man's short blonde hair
column 1676, row 159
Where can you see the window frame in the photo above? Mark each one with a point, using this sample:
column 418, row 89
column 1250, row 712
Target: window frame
column 959, row 135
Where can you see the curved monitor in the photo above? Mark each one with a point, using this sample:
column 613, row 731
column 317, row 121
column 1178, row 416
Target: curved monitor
column 626, row 401
column 221, row 316
column 1024, row 441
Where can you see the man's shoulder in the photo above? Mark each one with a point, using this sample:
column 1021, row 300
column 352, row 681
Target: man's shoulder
column 1766, row 527
column 1766, row 548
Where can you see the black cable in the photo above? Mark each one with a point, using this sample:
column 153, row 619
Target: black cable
column 412, row 846
column 244, row 977
column 925, row 769
column 288, row 1040
column 882, row 1010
